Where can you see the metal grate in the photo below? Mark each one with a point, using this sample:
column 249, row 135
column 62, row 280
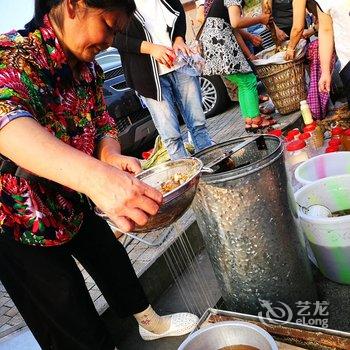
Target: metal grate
column 120, row 86
column 114, row 73
column 124, row 122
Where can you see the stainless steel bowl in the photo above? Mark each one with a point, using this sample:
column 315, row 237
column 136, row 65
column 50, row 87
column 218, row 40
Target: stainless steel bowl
column 176, row 202
column 229, row 333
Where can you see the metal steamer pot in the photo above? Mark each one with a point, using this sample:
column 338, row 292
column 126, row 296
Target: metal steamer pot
column 253, row 240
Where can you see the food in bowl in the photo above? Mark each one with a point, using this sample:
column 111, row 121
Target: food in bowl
column 173, row 182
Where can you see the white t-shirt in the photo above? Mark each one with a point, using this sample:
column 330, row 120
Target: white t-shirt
column 339, row 10
column 156, row 24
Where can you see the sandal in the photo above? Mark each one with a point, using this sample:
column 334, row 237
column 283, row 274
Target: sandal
column 267, row 123
column 248, row 124
column 256, row 123
column 263, row 98
column 269, row 109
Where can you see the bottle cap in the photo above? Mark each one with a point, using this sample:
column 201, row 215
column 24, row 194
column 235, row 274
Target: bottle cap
column 304, row 136
column 303, row 102
column 334, row 142
column 293, row 132
column 347, row 132
column 289, row 138
column 295, row 145
column 275, row 132
column 331, row 149
column 337, row 131
column 309, row 127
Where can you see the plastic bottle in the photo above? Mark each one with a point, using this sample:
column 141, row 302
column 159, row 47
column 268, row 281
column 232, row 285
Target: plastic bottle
column 295, row 154
column 318, row 137
column 337, row 132
column 306, row 112
column 293, row 134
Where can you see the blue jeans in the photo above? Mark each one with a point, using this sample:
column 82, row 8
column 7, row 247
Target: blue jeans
column 180, row 93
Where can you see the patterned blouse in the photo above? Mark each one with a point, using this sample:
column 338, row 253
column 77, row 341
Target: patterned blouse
column 222, row 53
column 37, row 82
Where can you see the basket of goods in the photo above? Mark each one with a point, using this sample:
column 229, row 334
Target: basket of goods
column 284, row 80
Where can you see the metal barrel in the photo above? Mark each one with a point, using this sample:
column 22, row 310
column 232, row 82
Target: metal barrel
column 255, row 246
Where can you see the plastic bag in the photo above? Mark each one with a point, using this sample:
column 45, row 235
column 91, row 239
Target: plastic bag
column 190, row 65
column 269, row 56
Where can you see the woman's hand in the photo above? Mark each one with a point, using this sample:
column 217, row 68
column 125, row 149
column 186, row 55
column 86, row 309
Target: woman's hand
column 180, row 45
column 108, row 150
column 307, row 33
column 129, row 164
column 123, row 198
column 162, row 54
column 290, row 54
column 281, row 35
column 256, row 40
column 324, row 84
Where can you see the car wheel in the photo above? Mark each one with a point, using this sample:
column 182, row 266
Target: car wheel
column 214, row 95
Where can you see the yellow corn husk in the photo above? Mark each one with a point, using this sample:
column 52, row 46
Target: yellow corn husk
column 160, row 154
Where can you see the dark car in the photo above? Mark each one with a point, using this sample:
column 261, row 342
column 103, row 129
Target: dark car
column 133, row 120
column 134, row 123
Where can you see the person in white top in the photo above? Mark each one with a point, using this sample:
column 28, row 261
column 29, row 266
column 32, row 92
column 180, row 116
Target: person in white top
column 334, row 31
column 148, row 51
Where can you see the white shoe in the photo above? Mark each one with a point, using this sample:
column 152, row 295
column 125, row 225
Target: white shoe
column 180, row 324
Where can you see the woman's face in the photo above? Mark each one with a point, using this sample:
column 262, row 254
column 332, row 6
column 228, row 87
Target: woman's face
column 87, row 31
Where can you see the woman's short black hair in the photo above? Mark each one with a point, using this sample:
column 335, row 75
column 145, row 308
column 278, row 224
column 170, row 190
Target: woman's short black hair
column 42, row 7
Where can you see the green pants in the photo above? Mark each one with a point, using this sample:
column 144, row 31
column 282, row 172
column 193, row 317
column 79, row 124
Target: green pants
column 247, row 93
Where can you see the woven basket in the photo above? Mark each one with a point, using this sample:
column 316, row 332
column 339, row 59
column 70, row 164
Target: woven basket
column 285, row 83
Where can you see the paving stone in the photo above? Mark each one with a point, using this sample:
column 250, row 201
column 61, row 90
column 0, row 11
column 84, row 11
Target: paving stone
column 94, row 294
column 101, row 304
column 89, row 285
column 5, row 327
column 14, row 320
column 4, row 310
column 10, row 303
column 4, row 319
column 12, row 312
column 4, row 299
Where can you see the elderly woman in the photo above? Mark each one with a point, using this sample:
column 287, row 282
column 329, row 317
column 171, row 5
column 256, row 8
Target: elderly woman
column 59, row 147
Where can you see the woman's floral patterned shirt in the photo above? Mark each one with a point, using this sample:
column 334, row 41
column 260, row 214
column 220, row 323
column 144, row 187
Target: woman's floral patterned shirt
column 36, row 82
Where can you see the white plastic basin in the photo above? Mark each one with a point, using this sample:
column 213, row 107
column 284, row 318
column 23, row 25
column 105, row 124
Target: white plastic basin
column 325, row 165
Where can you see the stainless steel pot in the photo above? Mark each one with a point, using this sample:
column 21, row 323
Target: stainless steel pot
column 228, row 333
